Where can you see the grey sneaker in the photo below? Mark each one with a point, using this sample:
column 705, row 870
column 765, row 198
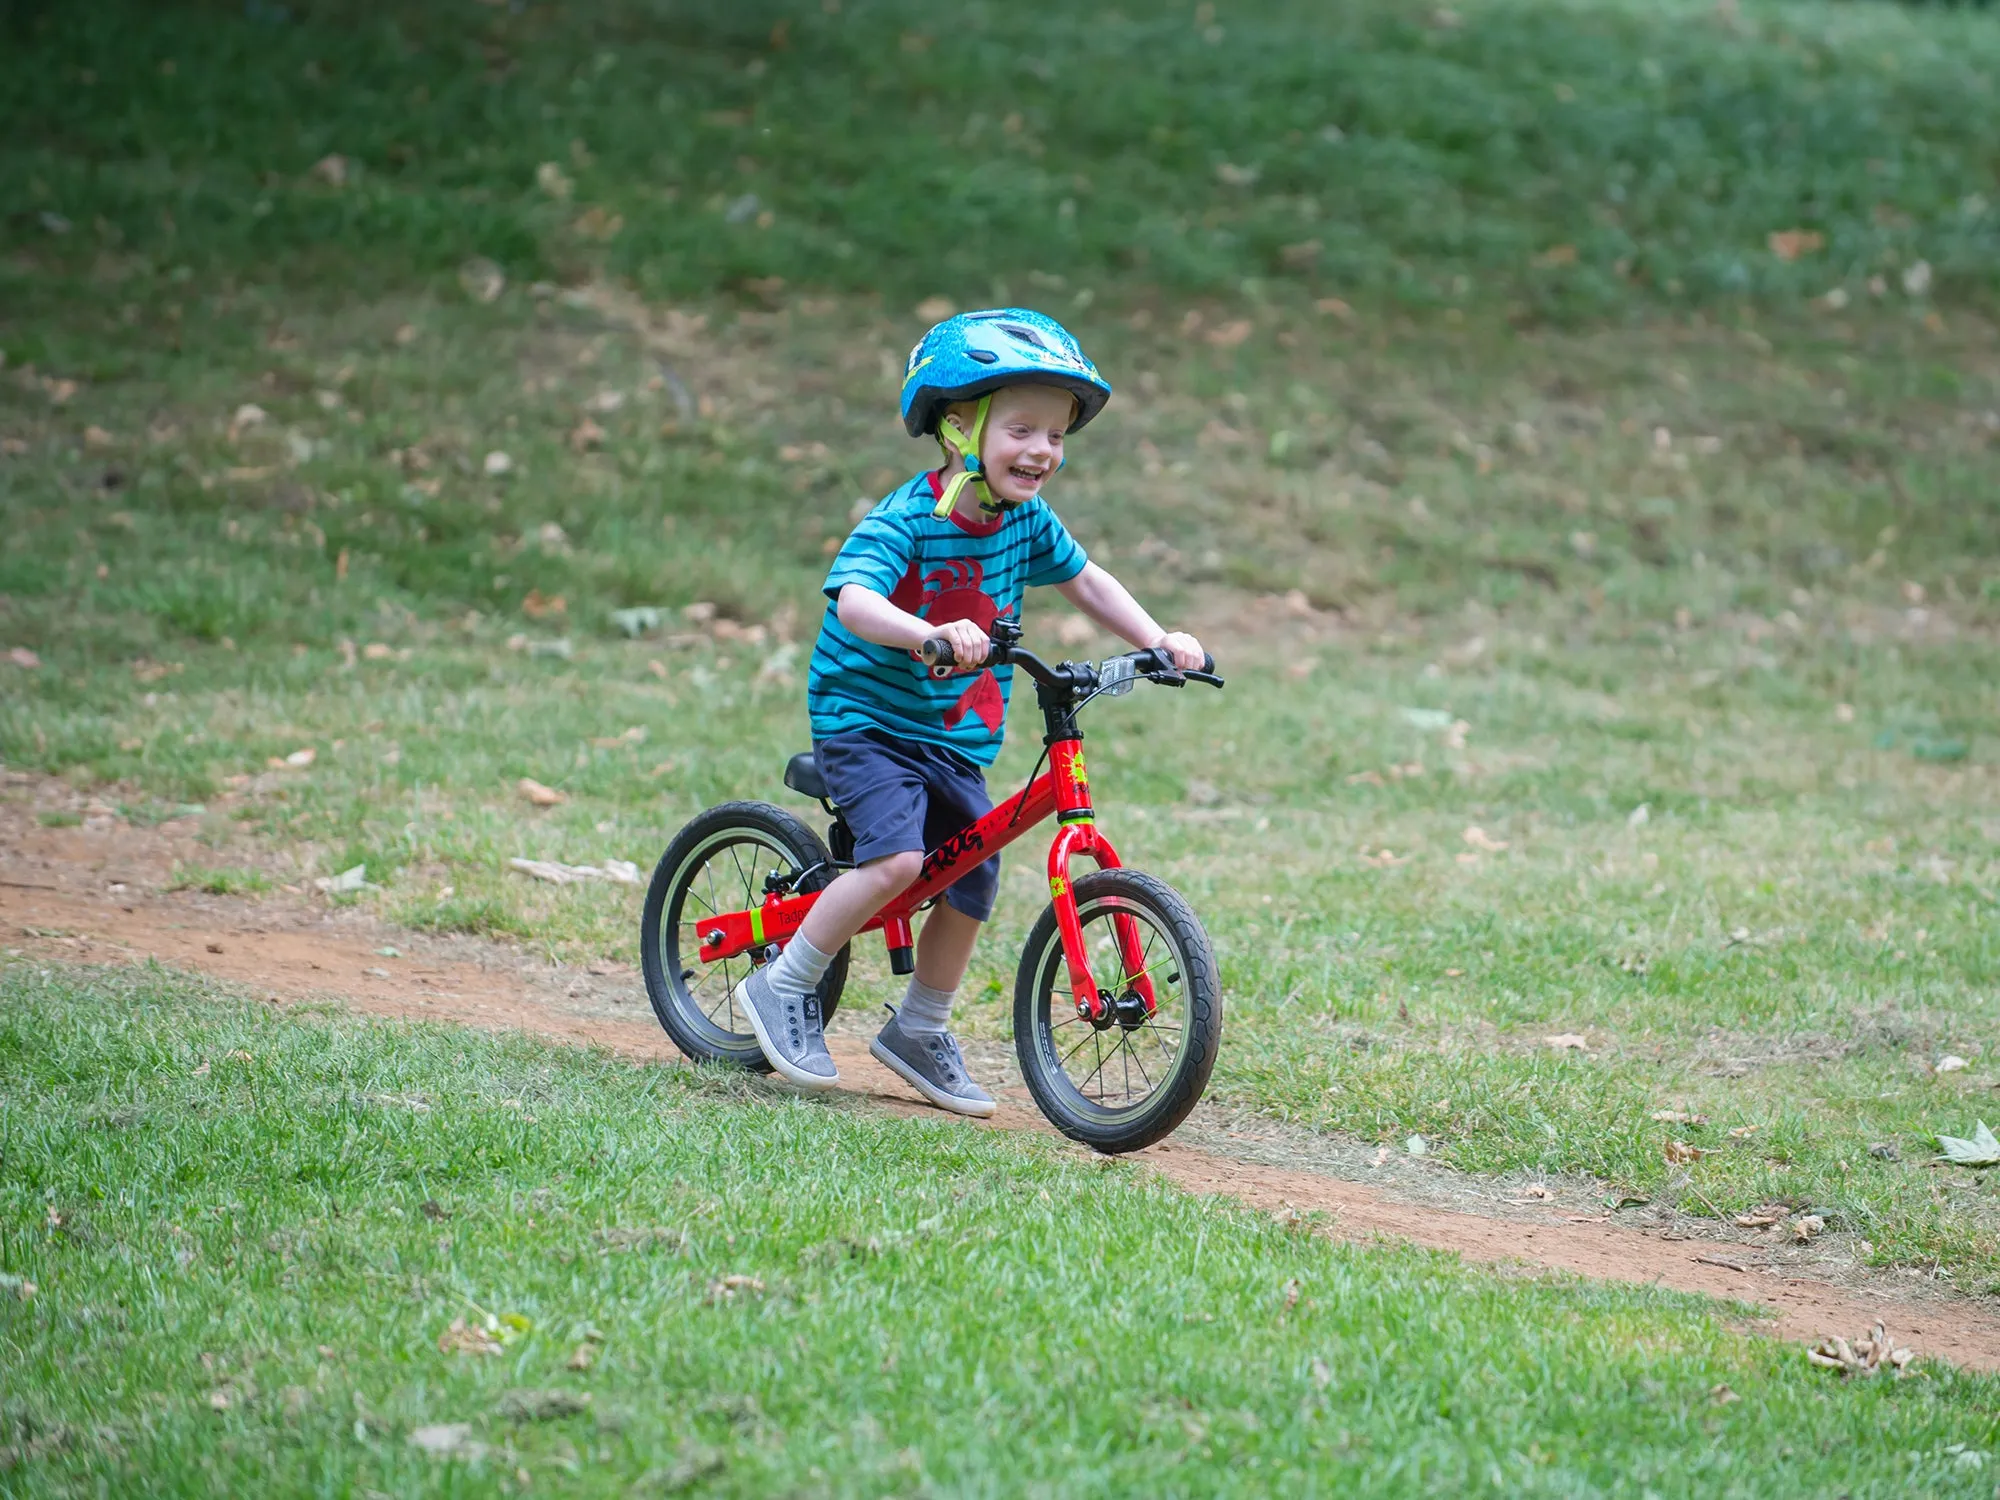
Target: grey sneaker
column 931, row 1063
column 788, row 1032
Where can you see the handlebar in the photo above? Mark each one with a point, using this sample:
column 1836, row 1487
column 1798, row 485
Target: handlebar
column 1153, row 663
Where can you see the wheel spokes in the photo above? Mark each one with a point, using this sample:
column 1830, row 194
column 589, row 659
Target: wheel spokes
column 1109, row 1065
column 705, row 888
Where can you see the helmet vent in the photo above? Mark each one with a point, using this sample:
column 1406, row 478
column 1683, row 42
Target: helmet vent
column 1025, row 335
column 984, row 356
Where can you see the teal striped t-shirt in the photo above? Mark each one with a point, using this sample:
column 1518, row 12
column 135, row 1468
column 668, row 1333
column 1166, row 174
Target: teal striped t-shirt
column 938, row 570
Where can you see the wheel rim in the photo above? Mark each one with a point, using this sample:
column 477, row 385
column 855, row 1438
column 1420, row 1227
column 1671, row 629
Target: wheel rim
column 1113, row 1073
column 723, row 873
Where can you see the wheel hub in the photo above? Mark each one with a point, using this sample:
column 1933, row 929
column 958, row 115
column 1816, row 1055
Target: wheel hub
column 1130, row 1011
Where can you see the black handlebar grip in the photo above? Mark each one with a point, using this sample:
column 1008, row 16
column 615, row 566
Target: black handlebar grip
column 937, row 652
column 1207, row 664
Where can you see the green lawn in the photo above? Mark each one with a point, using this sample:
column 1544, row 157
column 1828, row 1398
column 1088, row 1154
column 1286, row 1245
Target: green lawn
column 247, row 1232
column 1725, row 554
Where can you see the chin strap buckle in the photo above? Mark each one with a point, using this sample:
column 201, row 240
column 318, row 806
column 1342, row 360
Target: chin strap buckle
column 967, row 446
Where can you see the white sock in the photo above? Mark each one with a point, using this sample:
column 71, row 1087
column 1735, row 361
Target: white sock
column 799, row 968
column 925, row 1010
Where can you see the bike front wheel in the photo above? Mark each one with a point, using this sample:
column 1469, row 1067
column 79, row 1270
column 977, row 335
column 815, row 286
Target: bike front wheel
column 721, row 862
column 1124, row 1081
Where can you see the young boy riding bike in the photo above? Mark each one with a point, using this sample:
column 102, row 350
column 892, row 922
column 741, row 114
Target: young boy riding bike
column 902, row 747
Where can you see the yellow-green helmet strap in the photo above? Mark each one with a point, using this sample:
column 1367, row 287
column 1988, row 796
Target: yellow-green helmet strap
column 968, row 445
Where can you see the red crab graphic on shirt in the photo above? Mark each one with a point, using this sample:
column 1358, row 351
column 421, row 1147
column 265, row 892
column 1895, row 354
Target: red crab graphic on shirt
column 951, row 591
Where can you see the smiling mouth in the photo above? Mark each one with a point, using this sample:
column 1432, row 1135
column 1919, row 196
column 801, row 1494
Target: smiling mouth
column 1027, row 476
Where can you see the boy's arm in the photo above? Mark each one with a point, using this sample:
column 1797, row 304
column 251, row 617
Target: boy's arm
column 872, row 617
column 1110, row 604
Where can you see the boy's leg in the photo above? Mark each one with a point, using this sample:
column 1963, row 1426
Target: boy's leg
column 882, row 795
column 944, row 948
column 782, row 998
column 917, row 1043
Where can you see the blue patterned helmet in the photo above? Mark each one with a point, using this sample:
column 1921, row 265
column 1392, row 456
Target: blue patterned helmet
column 976, row 353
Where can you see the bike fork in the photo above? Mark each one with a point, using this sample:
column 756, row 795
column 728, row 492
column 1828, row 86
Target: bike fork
column 1082, row 837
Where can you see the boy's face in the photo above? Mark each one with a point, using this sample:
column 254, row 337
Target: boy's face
column 1024, row 439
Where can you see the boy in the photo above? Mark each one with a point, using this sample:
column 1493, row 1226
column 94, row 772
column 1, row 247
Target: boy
column 903, row 748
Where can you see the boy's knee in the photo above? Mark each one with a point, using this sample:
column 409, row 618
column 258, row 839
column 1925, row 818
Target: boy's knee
column 896, row 871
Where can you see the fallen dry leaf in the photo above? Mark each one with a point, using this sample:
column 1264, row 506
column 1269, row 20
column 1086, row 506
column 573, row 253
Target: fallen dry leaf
column 97, row 437
column 1950, row 1063
column 482, row 279
column 1479, row 839
column 584, row 1356
column 1805, row 1226
column 1557, row 255
column 1301, row 256
column 1790, row 244
column 551, row 179
column 1536, row 1191
column 1574, row 1041
column 496, row 463
column 585, row 435
column 23, row 658
column 618, row 871
column 298, row 760
column 600, row 224
column 447, row 1440
column 331, row 169
column 468, row 1338
column 538, row 607
column 1722, row 1395
column 1681, row 1153
column 1866, row 1357
column 535, row 792
column 729, row 1288
column 1678, row 1117
column 1742, row 1132
column 1229, row 335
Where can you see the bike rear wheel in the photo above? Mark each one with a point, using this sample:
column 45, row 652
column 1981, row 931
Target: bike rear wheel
column 1123, row 1084
column 719, row 863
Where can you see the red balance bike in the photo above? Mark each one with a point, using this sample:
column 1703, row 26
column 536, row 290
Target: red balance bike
column 1117, row 1006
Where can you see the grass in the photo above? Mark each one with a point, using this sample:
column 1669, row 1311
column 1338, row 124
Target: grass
column 247, row 1232
column 1573, row 159
column 1724, row 554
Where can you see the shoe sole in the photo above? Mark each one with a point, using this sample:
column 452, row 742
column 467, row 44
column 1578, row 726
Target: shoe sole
column 978, row 1109
column 793, row 1074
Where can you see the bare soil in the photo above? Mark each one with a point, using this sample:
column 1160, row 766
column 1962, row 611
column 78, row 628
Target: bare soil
column 99, row 893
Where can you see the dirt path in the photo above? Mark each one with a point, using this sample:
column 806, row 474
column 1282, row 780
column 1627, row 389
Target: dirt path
column 94, row 895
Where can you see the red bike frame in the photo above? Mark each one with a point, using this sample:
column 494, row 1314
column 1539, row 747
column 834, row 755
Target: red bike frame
column 1064, row 791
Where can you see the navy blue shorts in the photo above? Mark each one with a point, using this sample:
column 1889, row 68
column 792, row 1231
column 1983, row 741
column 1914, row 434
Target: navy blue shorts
column 901, row 796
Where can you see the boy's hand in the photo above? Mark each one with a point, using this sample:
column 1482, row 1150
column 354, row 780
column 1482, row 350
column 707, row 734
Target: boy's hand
column 1183, row 648
column 969, row 645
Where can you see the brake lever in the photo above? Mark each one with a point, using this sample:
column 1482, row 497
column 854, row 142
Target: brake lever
column 1208, row 677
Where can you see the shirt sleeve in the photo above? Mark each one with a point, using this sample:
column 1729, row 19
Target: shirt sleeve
column 1055, row 556
column 875, row 555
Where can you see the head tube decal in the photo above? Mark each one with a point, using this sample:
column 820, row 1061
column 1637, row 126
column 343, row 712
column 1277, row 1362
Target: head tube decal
column 1078, row 769
column 1057, row 885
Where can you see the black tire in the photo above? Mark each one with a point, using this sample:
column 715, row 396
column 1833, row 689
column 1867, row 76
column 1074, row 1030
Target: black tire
column 690, row 997
column 1112, row 1117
